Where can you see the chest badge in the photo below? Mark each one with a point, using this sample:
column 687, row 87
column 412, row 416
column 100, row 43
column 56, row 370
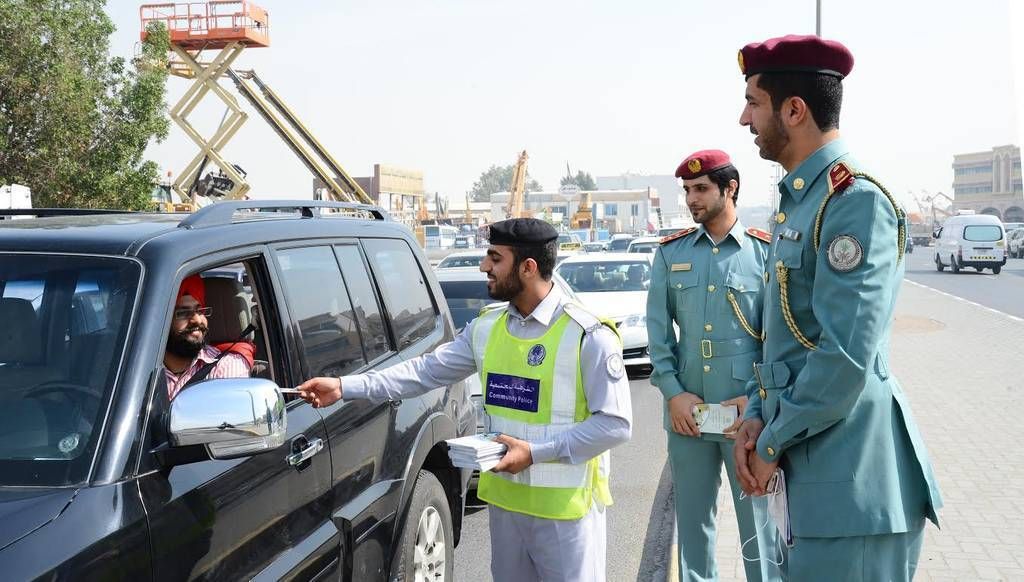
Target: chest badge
column 536, row 355
column 845, row 253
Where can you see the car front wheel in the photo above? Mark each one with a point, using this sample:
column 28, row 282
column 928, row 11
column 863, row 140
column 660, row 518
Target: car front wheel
column 953, row 265
column 995, row 270
column 425, row 548
column 938, row 264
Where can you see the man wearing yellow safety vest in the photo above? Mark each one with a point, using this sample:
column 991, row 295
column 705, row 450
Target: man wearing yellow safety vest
column 554, row 385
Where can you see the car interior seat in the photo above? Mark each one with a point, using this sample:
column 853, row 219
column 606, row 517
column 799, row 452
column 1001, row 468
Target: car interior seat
column 232, row 314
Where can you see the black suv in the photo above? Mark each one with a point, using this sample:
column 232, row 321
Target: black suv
column 103, row 477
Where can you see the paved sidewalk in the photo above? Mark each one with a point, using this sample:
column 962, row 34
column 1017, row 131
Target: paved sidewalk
column 954, row 360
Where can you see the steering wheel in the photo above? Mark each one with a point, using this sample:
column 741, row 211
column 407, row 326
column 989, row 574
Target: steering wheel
column 64, row 386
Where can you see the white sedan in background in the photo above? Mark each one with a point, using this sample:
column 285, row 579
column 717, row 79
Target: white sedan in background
column 614, row 285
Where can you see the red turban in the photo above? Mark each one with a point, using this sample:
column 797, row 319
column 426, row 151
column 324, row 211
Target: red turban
column 195, row 287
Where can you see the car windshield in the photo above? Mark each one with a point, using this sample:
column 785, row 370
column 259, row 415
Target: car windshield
column 463, row 261
column 983, row 233
column 65, row 320
column 465, row 300
column 595, row 277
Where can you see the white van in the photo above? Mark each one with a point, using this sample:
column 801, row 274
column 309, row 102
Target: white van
column 972, row 240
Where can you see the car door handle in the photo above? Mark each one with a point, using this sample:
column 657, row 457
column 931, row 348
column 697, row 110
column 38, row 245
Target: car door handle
column 301, row 456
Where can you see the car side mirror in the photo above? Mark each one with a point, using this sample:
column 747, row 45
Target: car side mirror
column 230, row 417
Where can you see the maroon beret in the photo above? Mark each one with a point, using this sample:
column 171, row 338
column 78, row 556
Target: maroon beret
column 796, row 53
column 702, row 162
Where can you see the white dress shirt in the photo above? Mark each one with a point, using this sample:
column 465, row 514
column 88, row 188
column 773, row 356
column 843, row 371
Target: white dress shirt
column 608, row 398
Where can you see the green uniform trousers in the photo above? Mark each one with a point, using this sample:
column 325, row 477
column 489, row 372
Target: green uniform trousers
column 696, row 478
column 877, row 558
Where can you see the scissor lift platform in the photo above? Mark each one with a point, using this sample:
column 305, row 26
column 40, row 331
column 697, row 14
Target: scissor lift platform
column 210, row 25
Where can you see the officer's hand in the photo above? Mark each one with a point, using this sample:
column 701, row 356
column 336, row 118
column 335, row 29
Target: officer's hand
column 740, row 402
column 744, row 449
column 762, row 471
column 321, row 392
column 680, row 411
column 517, row 457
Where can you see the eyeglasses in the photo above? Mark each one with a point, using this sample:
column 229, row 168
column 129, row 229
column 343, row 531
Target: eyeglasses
column 186, row 313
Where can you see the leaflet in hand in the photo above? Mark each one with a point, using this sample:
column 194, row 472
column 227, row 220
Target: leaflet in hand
column 479, row 451
column 714, row 418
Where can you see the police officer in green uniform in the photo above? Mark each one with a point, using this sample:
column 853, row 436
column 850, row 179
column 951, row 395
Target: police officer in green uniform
column 707, row 281
column 824, row 406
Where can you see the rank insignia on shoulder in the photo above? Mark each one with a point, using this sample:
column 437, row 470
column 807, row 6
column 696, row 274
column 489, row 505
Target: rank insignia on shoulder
column 678, row 235
column 761, row 235
column 840, row 177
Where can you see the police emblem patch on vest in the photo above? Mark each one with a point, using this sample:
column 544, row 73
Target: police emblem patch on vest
column 845, row 253
column 536, row 355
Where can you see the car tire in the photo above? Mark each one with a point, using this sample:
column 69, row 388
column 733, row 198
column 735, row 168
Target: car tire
column 938, row 264
column 427, row 528
column 953, row 265
column 996, row 270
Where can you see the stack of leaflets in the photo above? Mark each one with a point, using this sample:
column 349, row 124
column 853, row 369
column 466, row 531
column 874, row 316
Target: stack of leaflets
column 478, row 451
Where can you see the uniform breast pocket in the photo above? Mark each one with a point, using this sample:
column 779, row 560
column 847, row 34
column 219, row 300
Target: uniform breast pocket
column 684, row 285
column 746, row 290
column 790, row 254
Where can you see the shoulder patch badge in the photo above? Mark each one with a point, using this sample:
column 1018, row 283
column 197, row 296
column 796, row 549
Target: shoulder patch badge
column 840, row 177
column 761, row 235
column 615, row 366
column 678, row 235
column 845, row 253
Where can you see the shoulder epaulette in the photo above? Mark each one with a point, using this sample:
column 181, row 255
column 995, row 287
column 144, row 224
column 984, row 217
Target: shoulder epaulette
column 761, row 235
column 678, row 235
column 840, row 177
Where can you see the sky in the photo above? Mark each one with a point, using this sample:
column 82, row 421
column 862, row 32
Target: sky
column 451, row 87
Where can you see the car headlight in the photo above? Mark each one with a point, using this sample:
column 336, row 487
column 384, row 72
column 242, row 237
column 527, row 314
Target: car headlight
column 635, row 321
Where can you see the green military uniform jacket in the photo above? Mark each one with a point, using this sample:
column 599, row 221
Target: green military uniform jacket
column 714, row 294
column 835, row 417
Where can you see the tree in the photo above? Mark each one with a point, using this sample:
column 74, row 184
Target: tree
column 74, row 122
column 498, row 179
column 582, row 179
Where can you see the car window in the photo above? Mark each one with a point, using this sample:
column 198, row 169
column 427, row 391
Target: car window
column 319, row 303
column 983, row 233
column 367, row 307
column 65, row 323
column 619, row 244
column 464, row 261
column 595, row 277
column 404, row 288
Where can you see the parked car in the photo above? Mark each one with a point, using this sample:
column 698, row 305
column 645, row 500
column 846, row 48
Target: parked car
column 1015, row 243
column 103, row 477
column 971, row 240
column 463, row 242
column 463, row 259
column 614, row 285
column 595, row 247
column 618, row 243
column 644, row 244
column 569, row 242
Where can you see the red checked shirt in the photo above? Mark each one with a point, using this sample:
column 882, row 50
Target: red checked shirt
column 230, row 366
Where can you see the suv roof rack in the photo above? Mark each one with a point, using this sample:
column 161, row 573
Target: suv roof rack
column 221, row 213
column 59, row 211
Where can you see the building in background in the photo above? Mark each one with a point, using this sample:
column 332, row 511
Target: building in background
column 670, row 194
column 990, row 183
column 630, row 211
column 398, row 190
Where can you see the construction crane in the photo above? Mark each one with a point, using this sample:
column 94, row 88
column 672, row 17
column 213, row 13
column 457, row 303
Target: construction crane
column 231, row 27
column 517, row 190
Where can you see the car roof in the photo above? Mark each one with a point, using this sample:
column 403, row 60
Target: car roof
column 606, row 258
column 646, row 239
column 189, row 235
column 470, row 253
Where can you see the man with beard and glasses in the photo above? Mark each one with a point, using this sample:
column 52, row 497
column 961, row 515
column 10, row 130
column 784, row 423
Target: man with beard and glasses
column 824, row 406
column 707, row 282
column 555, row 387
column 187, row 355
